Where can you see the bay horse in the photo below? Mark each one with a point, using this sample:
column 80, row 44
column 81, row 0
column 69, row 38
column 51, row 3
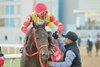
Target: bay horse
column 36, row 49
column 97, row 46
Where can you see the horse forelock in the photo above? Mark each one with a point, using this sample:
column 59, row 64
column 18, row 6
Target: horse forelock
column 42, row 37
column 41, row 31
column 40, row 34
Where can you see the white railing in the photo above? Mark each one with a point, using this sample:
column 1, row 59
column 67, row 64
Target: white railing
column 8, row 46
column 11, row 56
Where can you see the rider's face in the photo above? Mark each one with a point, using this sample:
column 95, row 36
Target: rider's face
column 67, row 41
column 43, row 15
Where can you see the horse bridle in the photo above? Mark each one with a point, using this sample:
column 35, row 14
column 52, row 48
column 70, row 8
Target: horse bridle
column 38, row 49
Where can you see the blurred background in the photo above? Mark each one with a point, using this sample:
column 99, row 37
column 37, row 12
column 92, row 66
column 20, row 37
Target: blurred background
column 80, row 16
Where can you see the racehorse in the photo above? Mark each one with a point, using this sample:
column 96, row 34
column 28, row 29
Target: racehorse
column 37, row 49
column 97, row 45
column 89, row 47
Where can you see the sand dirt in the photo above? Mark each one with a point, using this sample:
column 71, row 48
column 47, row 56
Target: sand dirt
column 89, row 61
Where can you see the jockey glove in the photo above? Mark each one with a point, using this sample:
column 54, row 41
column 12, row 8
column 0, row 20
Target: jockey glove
column 55, row 35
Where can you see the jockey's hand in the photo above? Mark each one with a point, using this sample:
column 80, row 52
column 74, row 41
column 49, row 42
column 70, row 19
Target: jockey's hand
column 55, row 35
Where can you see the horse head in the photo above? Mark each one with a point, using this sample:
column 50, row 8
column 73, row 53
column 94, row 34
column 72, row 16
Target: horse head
column 37, row 43
column 42, row 41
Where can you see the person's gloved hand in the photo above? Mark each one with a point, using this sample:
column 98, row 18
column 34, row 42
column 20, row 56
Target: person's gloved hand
column 55, row 35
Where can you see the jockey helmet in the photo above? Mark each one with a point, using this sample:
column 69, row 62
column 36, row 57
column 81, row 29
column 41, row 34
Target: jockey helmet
column 40, row 8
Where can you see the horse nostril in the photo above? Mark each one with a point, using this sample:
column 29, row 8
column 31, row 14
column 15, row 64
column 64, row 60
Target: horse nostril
column 43, row 54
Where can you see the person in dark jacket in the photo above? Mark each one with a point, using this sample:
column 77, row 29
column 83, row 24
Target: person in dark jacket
column 71, row 52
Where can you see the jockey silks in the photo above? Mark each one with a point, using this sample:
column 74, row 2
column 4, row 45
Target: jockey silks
column 49, row 21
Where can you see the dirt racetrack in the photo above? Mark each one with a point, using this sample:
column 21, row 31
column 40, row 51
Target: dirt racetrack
column 89, row 61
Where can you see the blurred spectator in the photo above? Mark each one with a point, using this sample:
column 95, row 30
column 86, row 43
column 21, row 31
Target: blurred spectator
column 89, row 43
column 89, row 47
column 97, row 46
column 90, row 36
column 97, row 43
column 6, row 38
column 98, row 36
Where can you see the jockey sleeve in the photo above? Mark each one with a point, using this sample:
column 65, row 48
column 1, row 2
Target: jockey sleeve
column 57, row 23
column 27, row 22
column 52, row 19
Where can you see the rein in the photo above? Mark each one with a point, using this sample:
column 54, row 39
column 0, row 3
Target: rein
column 38, row 50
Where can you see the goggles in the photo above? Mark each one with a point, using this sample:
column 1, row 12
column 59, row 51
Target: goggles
column 43, row 13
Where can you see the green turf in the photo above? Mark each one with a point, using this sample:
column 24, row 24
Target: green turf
column 16, row 63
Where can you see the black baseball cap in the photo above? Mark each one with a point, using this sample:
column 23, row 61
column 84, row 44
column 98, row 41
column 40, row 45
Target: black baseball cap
column 71, row 35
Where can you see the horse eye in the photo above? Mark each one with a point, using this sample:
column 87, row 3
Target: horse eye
column 37, row 38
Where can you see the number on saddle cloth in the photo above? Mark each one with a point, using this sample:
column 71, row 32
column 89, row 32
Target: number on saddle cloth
column 57, row 55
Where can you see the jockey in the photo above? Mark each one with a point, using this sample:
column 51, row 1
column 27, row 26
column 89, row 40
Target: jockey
column 41, row 16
